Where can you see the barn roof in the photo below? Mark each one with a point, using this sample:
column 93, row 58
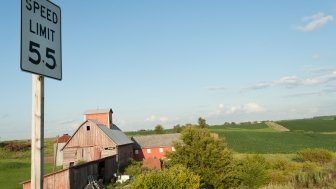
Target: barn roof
column 161, row 140
column 98, row 111
column 116, row 135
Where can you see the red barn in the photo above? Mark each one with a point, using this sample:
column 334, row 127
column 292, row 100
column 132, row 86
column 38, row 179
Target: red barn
column 154, row 146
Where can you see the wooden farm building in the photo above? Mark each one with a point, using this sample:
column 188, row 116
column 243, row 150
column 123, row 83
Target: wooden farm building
column 77, row 176
column 154, row 146
column 97, row 138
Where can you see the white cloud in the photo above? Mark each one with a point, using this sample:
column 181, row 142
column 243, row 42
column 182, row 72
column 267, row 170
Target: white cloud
column 151, row 118
column 315, row 22
column 161, row 119
column 326, row 76
column 253, row 107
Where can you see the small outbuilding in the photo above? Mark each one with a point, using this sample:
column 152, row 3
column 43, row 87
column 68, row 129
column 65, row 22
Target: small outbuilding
column 58, row 145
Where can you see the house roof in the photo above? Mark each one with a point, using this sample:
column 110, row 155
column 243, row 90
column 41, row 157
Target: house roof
column 161, row 140
column 63, row 139
column 98, row 111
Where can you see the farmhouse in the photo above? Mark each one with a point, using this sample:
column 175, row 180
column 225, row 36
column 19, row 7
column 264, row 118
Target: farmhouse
column 154, row 146
column 97, row 137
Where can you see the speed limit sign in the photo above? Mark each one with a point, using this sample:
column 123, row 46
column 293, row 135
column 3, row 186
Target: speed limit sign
column 41, row 38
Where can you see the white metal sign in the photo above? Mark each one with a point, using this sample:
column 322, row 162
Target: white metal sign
column 41, row 50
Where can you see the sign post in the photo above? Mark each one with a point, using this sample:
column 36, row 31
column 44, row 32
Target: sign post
column 41, row 55
column 37, row 140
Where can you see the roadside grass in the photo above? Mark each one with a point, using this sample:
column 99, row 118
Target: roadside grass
column 15, row 171
column 15, row 165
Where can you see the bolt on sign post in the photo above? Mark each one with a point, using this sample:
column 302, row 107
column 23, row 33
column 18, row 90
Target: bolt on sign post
column 41, row 55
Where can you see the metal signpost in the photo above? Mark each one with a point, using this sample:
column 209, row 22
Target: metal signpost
column 41, row 55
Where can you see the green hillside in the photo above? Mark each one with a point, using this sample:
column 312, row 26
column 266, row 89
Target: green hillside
column 315, row 125
column 276, row 142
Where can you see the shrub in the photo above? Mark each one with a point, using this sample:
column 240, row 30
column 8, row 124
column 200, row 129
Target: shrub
column 278, row 177
column 317, row 155
column 174, row 177
column 133, row 168
column 253, row 171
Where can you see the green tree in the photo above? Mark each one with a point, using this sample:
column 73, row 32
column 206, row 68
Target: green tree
column 202, row 123
column 174, row 177
column 158, row 129
column 206, row 156
column 177, row 128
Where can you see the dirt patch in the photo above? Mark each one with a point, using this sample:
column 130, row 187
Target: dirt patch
column 276, row 126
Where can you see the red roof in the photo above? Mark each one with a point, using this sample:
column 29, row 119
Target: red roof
column 63, row 139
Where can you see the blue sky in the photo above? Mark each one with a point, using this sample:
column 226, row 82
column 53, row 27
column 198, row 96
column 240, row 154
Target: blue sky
column 170, row 62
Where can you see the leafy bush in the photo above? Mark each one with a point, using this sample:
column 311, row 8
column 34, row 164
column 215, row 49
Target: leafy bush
column 206, row 156
column 253, row 173
column 317, row 155
column 133, row 168
column 278, row 177
column 16, row 147
column 174, row 177
column 309, row 166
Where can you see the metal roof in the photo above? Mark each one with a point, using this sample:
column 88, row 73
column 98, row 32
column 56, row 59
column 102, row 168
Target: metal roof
column 98, row 111
column 160, row 140
column 115, row 135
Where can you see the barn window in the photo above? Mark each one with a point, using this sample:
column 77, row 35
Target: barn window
column 88, row 128
column 173, row 149
column 149, row 151
column 136, row 151
column 161, row 150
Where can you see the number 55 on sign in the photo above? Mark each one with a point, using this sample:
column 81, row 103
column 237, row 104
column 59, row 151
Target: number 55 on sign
column 41, row 38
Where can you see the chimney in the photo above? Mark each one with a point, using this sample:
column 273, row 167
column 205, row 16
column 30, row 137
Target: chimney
column 103, row 116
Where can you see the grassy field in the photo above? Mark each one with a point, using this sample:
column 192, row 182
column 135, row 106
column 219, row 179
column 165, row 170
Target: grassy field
column 315, row 125
column 15, row 165
column 258, row 138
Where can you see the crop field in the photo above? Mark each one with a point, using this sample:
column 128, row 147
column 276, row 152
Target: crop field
column 315, row 125
column 258, row 138
column 276, row 142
